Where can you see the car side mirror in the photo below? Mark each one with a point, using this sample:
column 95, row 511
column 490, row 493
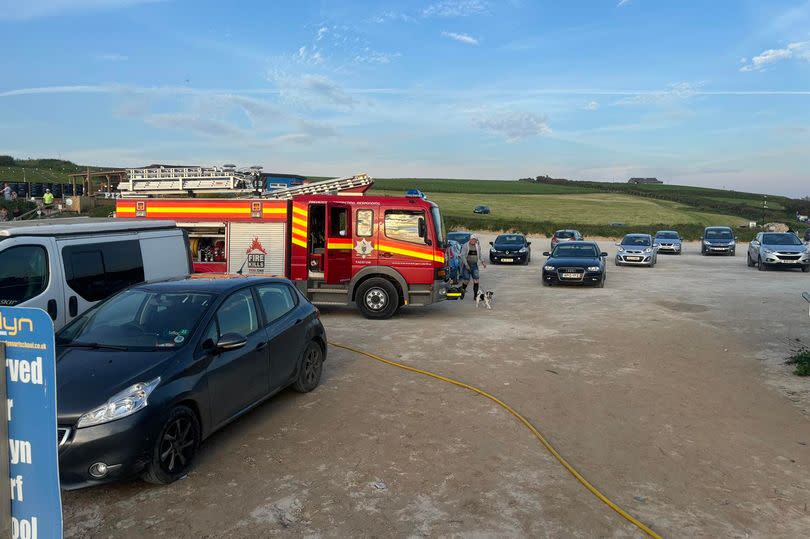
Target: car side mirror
column 528, row 243
column 603, row 254
column 618, row 244
column 491, row 243
column 231, row 341
column 546, row 253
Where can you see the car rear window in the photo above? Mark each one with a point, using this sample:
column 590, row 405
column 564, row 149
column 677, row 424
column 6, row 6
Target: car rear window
column 565, row 234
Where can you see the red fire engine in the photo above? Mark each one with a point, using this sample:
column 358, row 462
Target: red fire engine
column 379, row 252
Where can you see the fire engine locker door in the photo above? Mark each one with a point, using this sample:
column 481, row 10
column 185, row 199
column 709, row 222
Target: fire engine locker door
column 339, row 244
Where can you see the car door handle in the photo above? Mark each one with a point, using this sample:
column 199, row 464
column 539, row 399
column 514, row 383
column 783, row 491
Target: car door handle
column 261, row 345
column 73, row 306
column 52, row 309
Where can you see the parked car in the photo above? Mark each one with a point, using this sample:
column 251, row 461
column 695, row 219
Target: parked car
column 461, row 236
column 772, row 249
column 510, row 248
column 636, row 250
column 150, row 373
column 668, row 241
column 565, row 235
column 65, row 266
column 575, row 262
column 718, row 240
column 482, row 210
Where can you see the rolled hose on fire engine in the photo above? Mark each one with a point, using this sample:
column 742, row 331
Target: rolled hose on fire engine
column 526, row 423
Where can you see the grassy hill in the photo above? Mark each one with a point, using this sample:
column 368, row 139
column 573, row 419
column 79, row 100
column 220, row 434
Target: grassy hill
column 38, row 170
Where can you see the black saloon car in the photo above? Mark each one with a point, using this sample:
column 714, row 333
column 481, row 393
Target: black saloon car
column 482, row 209
column 510, row 248
column 147, row 375
column 575, row 262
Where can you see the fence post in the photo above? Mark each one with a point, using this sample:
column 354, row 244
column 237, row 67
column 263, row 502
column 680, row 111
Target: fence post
column 5, row 486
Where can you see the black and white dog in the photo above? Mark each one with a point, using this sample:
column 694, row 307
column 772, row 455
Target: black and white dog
column 485, row 298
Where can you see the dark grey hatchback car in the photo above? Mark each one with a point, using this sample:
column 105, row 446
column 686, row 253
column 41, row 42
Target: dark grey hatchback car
column 145, row 376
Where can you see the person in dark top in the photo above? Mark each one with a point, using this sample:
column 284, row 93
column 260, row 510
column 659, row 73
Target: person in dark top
column 471, row 256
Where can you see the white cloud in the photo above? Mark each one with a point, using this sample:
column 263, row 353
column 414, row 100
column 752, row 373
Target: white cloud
column 313, row 90
column 799, row 51
column 675, row 92
column 593, row 105
column 30, row 9
column 623, row 3
column 515, row 125
column 321, row 32
column 455, row 8
column 192, row 123
column 369, row 56
column 461, row 38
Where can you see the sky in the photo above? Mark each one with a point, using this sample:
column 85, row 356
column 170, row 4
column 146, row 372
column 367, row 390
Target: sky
column 692, row 92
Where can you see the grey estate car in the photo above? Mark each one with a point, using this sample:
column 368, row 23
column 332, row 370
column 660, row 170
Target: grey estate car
column 636, row 250
column 668, row 241
column 785, row 249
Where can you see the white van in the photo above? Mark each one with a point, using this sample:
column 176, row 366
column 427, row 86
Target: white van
column 65, row 266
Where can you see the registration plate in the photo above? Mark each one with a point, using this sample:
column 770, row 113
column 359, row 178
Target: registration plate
column 507, row 260
column 571, row 275
column 633, row 258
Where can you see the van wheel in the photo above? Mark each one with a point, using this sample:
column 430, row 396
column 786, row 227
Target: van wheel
column 377, row 299
column 175, row 447
column 309, row 375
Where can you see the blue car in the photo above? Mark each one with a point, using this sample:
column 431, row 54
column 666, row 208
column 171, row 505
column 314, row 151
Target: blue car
column 718, row 240
column 668, row 241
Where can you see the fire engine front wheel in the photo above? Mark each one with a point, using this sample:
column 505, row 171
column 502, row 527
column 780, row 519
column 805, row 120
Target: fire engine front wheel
column 377, row 298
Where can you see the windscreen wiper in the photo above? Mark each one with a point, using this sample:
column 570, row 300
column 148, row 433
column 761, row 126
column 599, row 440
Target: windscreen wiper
column 92, row 345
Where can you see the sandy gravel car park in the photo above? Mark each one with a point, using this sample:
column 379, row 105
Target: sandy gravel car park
column 676, row 405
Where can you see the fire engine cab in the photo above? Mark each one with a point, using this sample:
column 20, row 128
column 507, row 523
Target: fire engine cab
column 335, row 243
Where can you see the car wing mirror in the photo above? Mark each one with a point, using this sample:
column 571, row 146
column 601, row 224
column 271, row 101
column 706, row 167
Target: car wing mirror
column 546, row 253
column 528, row 243
column 491, row 243
column 603, row 254
column 618, row 244
column 231, row 341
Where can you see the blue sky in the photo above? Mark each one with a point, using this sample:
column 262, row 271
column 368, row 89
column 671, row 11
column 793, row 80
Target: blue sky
column 696, row 92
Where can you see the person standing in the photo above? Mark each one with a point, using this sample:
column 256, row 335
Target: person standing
column 6, row 191
column 47, row 198
column 471, row 256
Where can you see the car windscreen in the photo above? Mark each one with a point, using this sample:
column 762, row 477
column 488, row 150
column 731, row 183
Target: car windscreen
column 718, row 234
column 781, row 239
column 138, row 320
column 667, row 236
column 509, row 239
column 641, row 241
column 565, row 234
column 566, row 250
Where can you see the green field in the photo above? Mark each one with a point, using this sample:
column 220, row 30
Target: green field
column 38, row 170
column 586, row 208
column 502, row 187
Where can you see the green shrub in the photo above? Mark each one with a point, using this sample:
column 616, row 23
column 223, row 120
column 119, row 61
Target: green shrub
column 802, row 361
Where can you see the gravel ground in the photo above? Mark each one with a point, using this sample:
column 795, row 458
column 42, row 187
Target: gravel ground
column 666, row 389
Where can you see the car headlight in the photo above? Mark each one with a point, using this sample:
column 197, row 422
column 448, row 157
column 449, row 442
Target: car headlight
column 549, row 268
column 523, row 250
column 594, row 268
column 648, row 250
column 620, row 249
column 122, row 404
column 706, row 242
column 767, row 251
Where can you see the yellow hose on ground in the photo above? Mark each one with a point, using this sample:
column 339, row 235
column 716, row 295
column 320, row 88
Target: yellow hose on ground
column 578, row 476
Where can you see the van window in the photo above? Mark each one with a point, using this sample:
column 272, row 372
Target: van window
column 23, row 274
column 365, row 223
column 405, row 225
column 97, row 271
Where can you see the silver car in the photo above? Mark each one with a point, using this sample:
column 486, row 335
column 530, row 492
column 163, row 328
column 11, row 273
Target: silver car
column 772, row 249
column 668, row 241
column 636, row 250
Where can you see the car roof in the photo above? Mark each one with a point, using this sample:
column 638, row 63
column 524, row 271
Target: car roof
column 663, row 231
column 216, row 283
column 566, row 230
column 635, row 234
column 512, row 234
column 78, row 225
column 718, row 228
column 578, row 242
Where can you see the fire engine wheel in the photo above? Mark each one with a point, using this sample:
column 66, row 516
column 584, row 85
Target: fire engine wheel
column 377, row 298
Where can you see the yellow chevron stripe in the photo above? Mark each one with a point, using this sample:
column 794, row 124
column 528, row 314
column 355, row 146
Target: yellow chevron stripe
column 405, row 252
column 301, row 222
column 299, row 243
column 300, row 211
column 300, row 232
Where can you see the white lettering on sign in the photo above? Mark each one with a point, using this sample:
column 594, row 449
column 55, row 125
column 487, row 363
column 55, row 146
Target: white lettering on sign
column 23, row 371
column 17, row 488
column 9, row 406
column 20, row 451
column 24, row 529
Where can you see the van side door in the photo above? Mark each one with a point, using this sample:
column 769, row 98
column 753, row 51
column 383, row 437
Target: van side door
column 31, row 276
column 96, row 268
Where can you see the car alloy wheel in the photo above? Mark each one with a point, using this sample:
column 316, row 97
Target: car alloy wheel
column 309, row 375
column 175, row 448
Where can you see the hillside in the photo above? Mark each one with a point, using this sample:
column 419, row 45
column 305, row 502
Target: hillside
column 38, row 170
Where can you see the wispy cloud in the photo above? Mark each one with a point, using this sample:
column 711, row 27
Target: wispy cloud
column 194, row 124
column 593, row 105
column 623, row 3
column 515, row 125
column 675, row 92
column 799, row 51
column 461, row 38
column 111, row 57
column 31, row 9
column 313, row 90
column 455, row 8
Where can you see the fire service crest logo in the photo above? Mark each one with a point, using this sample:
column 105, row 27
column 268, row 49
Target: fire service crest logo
column 364, row 248
column 256, row 254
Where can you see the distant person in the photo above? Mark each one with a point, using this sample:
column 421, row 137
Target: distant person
column 47, row 198
column 471, row 256
column 6, row 191
column 3, row 214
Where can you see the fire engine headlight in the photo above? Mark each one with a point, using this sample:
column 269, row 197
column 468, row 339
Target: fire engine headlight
column 122, row 404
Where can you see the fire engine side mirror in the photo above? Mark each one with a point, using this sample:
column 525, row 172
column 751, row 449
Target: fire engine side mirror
column 422, row 228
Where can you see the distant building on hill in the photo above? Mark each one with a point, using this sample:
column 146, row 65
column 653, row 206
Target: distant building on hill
column 638, row 181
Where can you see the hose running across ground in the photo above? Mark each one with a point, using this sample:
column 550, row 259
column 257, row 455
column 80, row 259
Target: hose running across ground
column 578, row 476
